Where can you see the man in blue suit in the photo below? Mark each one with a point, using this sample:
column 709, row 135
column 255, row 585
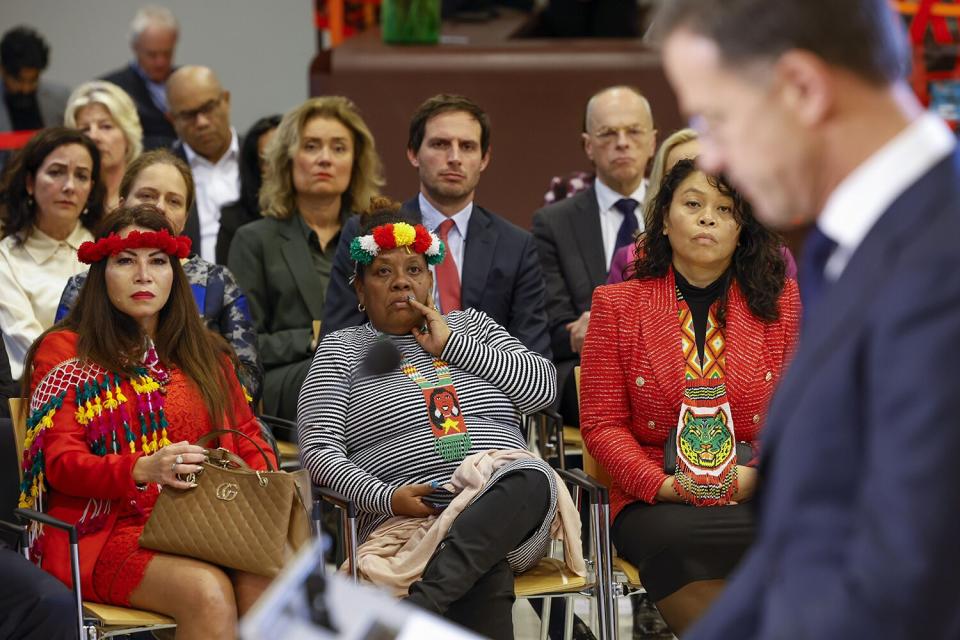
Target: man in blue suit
column 803, row 103
column 491, row 265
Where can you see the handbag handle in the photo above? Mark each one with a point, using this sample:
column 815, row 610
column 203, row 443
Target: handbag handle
column 221, row 432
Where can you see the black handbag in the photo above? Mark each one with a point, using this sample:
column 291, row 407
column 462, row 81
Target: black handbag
column 744, row 452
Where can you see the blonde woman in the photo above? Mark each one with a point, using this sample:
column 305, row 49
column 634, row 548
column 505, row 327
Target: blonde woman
column 105, row 112
column 322, row 166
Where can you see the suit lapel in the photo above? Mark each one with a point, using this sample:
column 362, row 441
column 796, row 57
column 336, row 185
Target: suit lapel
column 851, row 294
column 660, row 329
column 296, row 252
column 477, row 256
column 585, row 225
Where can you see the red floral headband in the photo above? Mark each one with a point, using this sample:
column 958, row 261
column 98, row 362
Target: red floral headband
column 90, row 252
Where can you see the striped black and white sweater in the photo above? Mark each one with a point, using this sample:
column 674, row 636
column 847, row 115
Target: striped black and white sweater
column 369, row 437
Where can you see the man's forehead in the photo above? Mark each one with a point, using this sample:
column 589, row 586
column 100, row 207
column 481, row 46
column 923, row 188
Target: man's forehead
column 193, row 94
column 453, row 124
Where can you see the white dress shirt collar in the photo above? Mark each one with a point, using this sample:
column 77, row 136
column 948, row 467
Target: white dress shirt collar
column 607, row 197
column 432, row 218
column 611, row 218
column 42, row 247
column 864, row 195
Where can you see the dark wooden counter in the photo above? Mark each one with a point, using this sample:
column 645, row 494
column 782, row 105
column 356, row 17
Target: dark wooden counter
column 533, row 89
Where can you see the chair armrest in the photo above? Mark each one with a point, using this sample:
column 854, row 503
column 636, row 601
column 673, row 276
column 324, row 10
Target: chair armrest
column 337, row 499
column 599, row 494
column 43, row 518
column 549, row 428
column 282, row 429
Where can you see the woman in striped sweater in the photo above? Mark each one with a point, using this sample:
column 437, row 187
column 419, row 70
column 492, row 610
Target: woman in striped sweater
column 461, row 388
column 678, row 366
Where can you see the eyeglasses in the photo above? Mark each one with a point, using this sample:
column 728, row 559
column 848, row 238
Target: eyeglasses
column 205, row 109
column 633, row 132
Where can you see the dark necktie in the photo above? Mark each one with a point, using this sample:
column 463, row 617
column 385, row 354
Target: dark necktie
column 817, row 249
column 629, row 226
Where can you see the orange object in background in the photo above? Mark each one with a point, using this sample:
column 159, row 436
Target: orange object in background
column 935, row 41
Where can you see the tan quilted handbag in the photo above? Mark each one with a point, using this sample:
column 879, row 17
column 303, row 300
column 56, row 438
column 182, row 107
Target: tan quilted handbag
column 235, row 517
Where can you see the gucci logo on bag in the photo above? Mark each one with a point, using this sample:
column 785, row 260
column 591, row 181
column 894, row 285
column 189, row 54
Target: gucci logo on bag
column 227, row 491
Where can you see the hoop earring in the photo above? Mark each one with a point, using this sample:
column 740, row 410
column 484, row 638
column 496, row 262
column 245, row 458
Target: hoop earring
column 361, row 308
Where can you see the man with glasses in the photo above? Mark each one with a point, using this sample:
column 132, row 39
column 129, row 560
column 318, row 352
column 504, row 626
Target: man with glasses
column 577, row 237
column 200, row 113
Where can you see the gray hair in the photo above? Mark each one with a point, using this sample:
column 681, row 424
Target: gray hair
column 151, row 14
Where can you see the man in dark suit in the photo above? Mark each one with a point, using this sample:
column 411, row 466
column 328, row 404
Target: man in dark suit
column 491, row 264
column 804, row 104
column 153, row 38
column 577, row 237
column 208, row 143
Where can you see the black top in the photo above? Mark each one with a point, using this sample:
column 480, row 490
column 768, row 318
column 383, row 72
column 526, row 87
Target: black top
column 24, row 111
column 699, row 301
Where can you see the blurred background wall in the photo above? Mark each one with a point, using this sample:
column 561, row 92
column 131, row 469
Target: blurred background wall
column 261, row 49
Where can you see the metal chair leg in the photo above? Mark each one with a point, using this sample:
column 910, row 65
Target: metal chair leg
column 545, row 619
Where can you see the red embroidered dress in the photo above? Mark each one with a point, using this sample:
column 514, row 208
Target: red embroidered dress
column 79, row 465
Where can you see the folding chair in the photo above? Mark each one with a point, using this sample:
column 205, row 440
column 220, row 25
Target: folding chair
column 551, row 578
column 94, row 620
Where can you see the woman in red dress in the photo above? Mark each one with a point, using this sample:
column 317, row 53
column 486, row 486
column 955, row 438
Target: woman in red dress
column 119, row 389
column 680, row 362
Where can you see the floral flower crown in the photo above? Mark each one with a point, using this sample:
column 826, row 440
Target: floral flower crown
column 364, row 249
column 111, row 245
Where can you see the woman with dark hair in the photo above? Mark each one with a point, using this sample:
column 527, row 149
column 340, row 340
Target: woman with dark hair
column 678, row 365
column 253, row 164
column 460, row 389
column 162, row 179
column 51, row 196
column 118, row 389
column 322, row 166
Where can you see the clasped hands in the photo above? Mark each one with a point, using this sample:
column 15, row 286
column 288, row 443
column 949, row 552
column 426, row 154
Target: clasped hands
column 165, row 465
column 578, row 331
column 746, row 486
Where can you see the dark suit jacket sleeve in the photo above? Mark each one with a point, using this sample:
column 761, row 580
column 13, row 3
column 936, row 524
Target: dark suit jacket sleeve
column 246, row 263
column 559, row 304
column 528, row 319
column 340, row 309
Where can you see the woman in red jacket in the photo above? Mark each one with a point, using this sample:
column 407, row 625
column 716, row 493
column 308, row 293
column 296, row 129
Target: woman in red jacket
column 119, row 389
column 679, row 364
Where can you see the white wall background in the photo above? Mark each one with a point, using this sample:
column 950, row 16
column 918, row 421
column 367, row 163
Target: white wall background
column 261, row 49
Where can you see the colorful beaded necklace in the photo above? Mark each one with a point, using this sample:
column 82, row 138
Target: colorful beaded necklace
column 451, row 440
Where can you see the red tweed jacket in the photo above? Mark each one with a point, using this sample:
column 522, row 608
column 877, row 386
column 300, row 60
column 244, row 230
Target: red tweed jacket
column 632, row 376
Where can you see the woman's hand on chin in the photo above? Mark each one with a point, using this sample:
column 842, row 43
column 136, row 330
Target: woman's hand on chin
column 434, row 339
column 407, row 501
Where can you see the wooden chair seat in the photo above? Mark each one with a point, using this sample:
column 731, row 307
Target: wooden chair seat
column 548, row 577
column 111, row 616
column 630, row 571
column 572, row 438
column 288, row 450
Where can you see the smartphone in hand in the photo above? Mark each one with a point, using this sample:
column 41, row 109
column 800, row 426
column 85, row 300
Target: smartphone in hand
column 439, row 498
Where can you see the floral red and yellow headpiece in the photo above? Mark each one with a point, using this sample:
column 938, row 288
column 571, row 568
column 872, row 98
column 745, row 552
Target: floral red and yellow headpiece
column 364, row 249
column 90, row 252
